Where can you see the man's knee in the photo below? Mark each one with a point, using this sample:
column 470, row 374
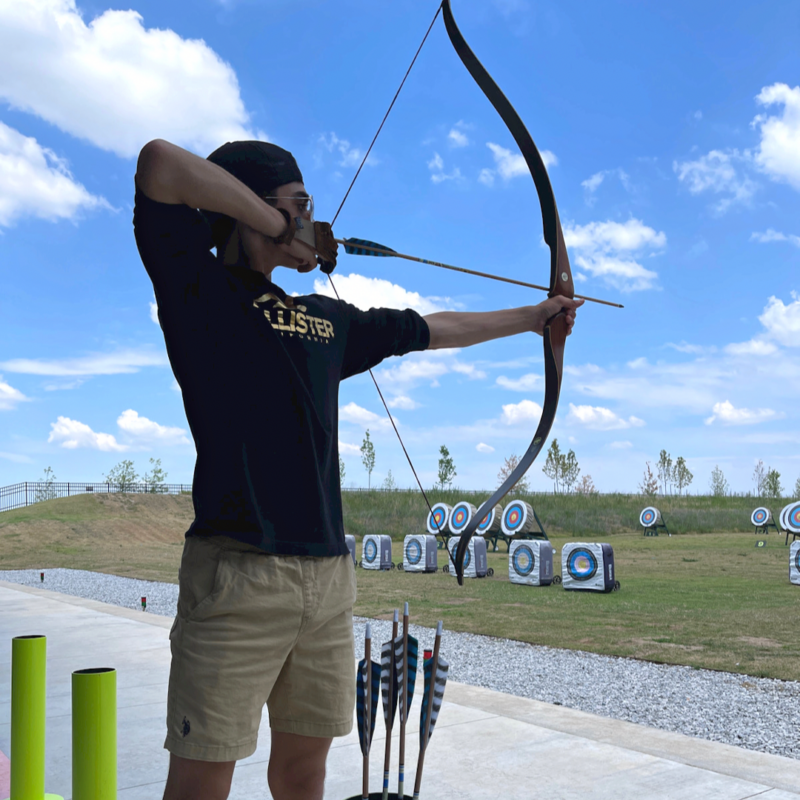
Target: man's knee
column 198, row 780
column 297, row 766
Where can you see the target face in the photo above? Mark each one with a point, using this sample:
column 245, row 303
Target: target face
column 414, row 552
column 513, row 516
column 582, row 564
column 438, row 519
column 760, row 516
column 523, row 561
column 793, row 517
column 370, row 551
column 648, row 516
column 467, row 556
column 485, row 522
column 460, row 518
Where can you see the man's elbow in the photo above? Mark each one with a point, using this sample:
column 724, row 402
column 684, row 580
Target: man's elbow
column 151, row 171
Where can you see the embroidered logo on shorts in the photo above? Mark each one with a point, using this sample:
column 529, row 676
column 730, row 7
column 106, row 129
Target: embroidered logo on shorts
column 186, row 727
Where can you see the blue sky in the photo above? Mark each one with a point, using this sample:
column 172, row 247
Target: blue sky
column 672, row 138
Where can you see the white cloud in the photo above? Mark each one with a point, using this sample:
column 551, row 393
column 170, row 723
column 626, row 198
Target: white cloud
column 522, row 384
column 771, row 235
column 621, row 445
column 347, row 449
column 755, row 347
column 145, row 430
column 779, row 152
column 411, row 371
column 729, row 415
column 120, row 362
column 510, row 165
column 366, row 293
column 154, row 313
column 592, row 184
column 717, row 172
column 71, row 434
column 470, row 370
column 601, row 248
column 348, row 156
column 694, row 349
column 361, row 416
column 34, row 181
column 599, row 418
column 402, row 402
column 481, row 447
column 16, row 458
column 522, row 413
column 114, row 82
column 436, row 166
column 9, row 396
column 457, row 138
column 782, row 322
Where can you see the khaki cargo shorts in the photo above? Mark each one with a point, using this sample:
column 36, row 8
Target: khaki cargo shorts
column 251, row 629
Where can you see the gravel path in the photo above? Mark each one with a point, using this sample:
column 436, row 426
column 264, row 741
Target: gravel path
column 757, row 713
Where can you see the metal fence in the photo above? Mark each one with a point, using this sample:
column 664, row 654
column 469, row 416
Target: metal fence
column 24, row 494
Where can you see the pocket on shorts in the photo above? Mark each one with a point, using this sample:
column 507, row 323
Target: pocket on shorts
column 199, row 581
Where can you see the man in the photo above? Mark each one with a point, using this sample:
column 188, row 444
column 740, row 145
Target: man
column 266, row 583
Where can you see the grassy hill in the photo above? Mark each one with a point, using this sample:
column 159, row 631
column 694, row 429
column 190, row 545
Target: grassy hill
column 704, row 597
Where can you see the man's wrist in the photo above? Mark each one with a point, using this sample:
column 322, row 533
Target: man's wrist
column 288, row 235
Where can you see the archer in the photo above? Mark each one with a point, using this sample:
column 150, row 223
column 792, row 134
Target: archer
column 266, row 583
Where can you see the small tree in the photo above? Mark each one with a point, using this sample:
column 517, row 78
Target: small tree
column 553, row 464
column 719, row 486
column 123, row 476
column 389, row 484
column 797, row 488
column 664, row 468
column 341, row 470
column 45, row 490
column 681, row 474
column 447, row 469
column 569, row 470
column 649, row 484
column 759, row 477
column 772, row 484
column 522, row 486
column 585, row 486
column 368, row 457
column 156, row 477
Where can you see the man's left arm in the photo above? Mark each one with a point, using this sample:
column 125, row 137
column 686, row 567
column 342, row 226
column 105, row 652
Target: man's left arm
column 463, row 329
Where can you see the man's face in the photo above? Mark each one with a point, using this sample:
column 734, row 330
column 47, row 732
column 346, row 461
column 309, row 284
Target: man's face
column 294, row 198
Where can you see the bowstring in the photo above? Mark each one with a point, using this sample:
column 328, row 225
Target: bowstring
column 330, row 279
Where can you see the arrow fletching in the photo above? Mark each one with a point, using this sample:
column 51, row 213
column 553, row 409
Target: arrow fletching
column 413, row 649
column 366, row 726
column 438, row 693
column 357, row 247
column 389, row 703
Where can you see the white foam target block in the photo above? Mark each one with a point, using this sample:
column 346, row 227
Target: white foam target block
column 782, row 517
column 530, row 563
column 350, row 541
column 460, row 516
column 517, row 518
column 490, row 524
column 792, row 518
column 376, row 551
column 760, row 517
column 587, row 566
column 475, row 565
column 420, row 553
column 794, row 563
column 650, row 517
column 439, row 518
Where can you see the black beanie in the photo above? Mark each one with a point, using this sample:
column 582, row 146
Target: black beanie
column 261, row 166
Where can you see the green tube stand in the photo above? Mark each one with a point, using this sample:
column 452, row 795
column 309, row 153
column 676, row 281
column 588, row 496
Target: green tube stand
column 28, row 692
column 94, row 734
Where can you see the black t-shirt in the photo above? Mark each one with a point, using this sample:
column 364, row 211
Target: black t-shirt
column 260, row 374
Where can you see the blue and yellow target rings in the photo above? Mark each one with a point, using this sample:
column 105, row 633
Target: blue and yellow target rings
column 582, row 564
column 523, row 561
column 648, row 517
column 414, row 552
column 370, row 551
column 760, row 516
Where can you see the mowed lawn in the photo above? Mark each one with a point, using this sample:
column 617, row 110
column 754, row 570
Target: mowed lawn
column 708, row 600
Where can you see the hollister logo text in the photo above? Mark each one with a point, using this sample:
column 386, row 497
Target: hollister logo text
column 293, row 321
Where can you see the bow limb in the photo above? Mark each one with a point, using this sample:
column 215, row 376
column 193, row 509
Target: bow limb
column 555, row 332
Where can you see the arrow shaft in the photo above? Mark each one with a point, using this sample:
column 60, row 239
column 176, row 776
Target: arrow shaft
column 387, row 754
column 431, row 690
column 383, row 252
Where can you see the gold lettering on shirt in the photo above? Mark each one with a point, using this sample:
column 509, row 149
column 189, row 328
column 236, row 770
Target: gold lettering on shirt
column 294, row 320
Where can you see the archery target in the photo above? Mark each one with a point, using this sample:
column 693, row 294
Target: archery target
column 376, row 552
column 491, row 522
column 530, row 563
column 460, row 516
column 587, row 565
column 650, row 517
column 517, row 518
column 350, row 541
column 474, row 559
column 438, row 518
column 792, row 518
column 761, row 517
column 794, row 563
column 782, row 516
column 420, row 553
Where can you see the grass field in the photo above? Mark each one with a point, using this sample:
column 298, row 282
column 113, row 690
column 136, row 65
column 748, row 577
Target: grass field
column 704, row 599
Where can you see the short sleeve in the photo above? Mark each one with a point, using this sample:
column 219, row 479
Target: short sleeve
column 381, row 332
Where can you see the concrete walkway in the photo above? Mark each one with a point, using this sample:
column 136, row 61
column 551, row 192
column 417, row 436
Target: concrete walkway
column 486, row 744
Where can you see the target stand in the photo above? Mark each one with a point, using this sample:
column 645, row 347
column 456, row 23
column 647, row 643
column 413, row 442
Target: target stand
column 762, row 519
column 420, row 553
column 652, row 521
column 376, row 552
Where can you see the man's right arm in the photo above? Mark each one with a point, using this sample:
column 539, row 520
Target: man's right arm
column 169, row 174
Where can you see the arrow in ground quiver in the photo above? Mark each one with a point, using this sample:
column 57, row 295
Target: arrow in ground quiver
column 389, row 691
column 406, row 649
column 368, row 682
column 435, row 670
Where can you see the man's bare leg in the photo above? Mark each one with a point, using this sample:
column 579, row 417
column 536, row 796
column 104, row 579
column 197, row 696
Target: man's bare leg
column 297, row 766
column 198, row 780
